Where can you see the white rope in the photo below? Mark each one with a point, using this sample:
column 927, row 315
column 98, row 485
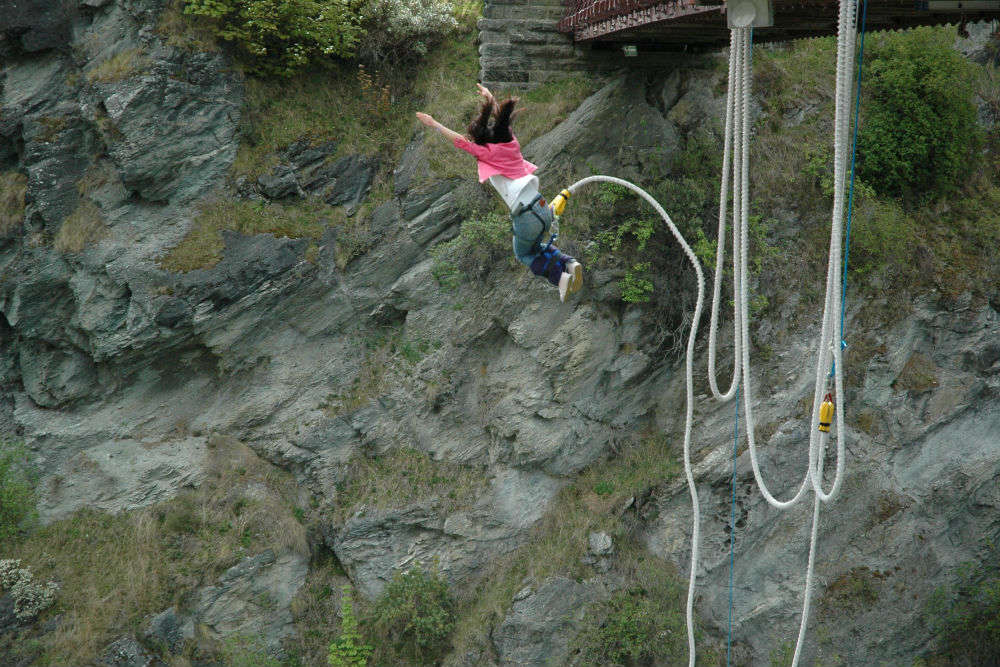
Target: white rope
column 737, row 134
column 689, row 370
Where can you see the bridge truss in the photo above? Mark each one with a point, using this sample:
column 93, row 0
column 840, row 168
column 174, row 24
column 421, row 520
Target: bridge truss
column 701, row 24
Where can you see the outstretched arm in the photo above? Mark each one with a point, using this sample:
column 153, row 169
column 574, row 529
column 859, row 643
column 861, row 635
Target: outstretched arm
column 427, row 120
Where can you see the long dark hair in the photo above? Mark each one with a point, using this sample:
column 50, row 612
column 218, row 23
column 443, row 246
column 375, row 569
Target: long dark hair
column 492, row 122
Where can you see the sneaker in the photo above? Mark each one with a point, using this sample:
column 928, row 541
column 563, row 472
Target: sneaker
column 565, row 280
column 575, row 269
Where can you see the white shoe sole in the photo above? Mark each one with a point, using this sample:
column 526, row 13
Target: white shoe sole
column 565, row 286
column 577, row 272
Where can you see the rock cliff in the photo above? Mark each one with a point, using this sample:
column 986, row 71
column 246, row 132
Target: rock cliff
column 117, row 373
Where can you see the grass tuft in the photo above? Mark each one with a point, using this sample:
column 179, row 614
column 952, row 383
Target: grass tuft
column 184, row 31
column 13, row 187
column 81, row 228
column 202, row 247
column 119, row 66
column 402, row 476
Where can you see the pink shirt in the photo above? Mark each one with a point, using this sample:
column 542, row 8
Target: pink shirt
column 503, row 159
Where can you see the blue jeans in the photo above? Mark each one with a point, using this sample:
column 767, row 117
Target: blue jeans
column 531, row 237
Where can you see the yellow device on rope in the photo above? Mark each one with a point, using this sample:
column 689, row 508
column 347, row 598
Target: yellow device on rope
column 826, row 413
column 559, row 203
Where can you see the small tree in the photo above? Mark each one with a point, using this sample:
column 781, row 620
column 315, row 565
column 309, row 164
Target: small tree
column 918, row 129
column 282, row 37
column 399, row 30
column 348, row 650
column 415, row 615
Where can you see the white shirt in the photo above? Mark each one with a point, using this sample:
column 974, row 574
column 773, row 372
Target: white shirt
column 515, row 191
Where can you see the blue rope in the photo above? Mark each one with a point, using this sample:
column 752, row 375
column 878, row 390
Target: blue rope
column 732, row 526
column 850, row 191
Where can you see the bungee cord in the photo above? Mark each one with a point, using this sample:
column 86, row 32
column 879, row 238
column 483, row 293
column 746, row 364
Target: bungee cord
column 735, row 174
column 828, row 353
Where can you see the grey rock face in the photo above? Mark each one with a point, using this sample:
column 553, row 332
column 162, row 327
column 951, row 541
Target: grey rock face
column 600, row 544
column 918, row 497
column 280, row 183
column 253, row 598
column 126, row 652
column 54, row 377
column 178, row 158
column 113, row 370
column 540, row 626
column 35, row 25
column 169, row 630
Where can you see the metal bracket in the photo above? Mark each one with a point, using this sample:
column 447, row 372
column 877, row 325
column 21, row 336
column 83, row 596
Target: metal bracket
column 749, row 13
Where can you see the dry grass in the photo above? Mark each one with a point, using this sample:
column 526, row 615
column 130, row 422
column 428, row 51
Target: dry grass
column 96, row 177
column 119, row 66
column 202, row 247
column 13, row 187
column 117, row 569
column 81, row 228
column 52, row 127
column 184, row 32
column 371, row 381
column 403, row 476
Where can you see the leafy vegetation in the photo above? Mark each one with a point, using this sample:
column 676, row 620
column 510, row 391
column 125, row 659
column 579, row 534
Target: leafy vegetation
column 282, row 37
column 919, row 134
column 483, row 242
column 401, row 30
column 638, row 625
column 17, row 491
column 348, row 650
column 965, row 618
column 413, row 619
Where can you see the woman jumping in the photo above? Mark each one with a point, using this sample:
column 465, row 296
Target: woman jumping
column 499, row 158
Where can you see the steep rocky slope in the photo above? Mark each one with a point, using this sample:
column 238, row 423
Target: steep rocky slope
column 121, row 377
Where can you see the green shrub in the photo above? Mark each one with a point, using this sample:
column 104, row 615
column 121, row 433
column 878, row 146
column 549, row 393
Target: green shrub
column 639, row 627
column 413, row 618
column 918, row 133
column 282, row 37
column 482, row 242
column 965, row 619
column 636, row 287
column 399, row 30
column 883, row 238
column 17, row 491
column 348, row 650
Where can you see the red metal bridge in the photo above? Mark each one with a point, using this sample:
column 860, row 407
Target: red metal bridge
column 702, row 24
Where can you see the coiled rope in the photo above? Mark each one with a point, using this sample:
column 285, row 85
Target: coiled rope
column 737, row 135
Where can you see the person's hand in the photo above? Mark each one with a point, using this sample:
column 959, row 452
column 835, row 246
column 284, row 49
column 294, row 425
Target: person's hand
column 425, row 119
column 484, row 91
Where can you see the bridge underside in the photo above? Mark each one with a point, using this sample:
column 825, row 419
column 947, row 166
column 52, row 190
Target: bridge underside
column 690, row 25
